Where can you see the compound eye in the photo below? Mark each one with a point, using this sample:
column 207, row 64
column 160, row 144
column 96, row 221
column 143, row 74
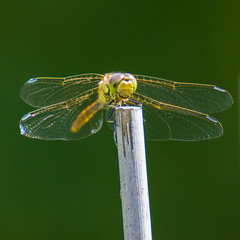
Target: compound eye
column 133, row 80
column 114, row 81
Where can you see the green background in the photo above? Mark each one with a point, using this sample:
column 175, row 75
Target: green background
column 70, row 190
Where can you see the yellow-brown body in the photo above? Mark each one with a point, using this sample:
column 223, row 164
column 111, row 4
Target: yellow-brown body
column 110, row 90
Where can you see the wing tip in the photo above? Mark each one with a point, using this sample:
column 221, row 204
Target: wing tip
column 25, row 117
column 22, row 130
column 228, row 95
column 32, row 80
column 219, row 89
column 212, row 119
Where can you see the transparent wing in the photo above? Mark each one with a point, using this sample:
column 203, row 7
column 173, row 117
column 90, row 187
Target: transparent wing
column 54, row 122
column 199, row 97
column 167, row 122
column 44, row 91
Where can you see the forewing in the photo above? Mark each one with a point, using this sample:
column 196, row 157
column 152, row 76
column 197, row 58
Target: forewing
column 44, row 91
column 199, row 97
column 168, row 122
column 54, row 122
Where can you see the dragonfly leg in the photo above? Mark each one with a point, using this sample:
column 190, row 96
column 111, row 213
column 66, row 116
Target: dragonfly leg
column 111, row 102
column 110, row 120
column 110, row 116
column 134, row 102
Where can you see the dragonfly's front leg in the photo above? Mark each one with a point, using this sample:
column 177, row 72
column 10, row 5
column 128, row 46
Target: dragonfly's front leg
column 111, row 119
column 134, row 102
column 110, row 115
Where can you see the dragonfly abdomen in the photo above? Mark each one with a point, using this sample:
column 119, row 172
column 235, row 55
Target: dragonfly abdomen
column 85, row 116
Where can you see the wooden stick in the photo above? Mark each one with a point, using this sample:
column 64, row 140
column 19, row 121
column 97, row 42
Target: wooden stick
column 133, row 173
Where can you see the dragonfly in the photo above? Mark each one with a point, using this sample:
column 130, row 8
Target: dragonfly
column 71, row 108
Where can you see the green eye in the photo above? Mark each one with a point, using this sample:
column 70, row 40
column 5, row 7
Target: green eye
column 133, row 80
column 114, row 81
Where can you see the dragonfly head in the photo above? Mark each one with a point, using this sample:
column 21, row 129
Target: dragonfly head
column 123, row 84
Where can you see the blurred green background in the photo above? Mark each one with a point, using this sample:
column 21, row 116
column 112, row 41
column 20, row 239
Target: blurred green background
column 70, row 190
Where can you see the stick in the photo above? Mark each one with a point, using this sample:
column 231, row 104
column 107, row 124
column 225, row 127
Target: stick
column 133, row 173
